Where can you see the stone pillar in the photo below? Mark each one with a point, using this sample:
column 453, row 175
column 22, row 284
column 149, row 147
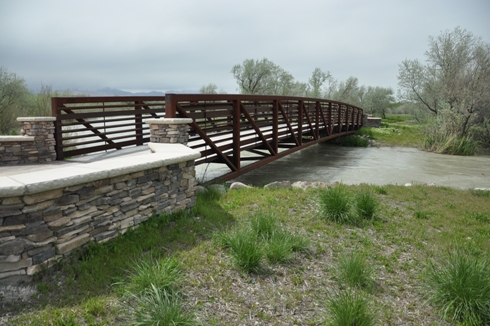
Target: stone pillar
column 36, row 145
column 42, row 129
column 169, row 130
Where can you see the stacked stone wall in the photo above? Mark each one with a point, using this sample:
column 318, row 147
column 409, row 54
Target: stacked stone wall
column 36, row 145
column 37, row 229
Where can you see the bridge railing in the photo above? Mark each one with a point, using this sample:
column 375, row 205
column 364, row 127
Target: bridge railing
column 92, row 124
column 269, row 126
column 223, row 125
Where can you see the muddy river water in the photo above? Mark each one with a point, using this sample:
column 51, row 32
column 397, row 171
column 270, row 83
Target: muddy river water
column 380, row 166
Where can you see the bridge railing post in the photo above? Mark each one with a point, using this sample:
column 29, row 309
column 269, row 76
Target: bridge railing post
column 170, row 106
column 236, row 134
column 275, row 125
column 300, row 122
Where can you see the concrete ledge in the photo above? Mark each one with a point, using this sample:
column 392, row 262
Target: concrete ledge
column 16, row 138
column 73, row 174
column 169, row 121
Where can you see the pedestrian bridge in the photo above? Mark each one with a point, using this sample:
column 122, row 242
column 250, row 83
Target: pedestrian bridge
column 242, row 132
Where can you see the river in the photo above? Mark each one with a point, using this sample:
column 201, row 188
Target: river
column 353, row 165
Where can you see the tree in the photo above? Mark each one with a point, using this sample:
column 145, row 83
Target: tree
column 263, row 77
column 347, row 91
column 13, row 100
column 454, row 85
column 377, row 100
column 318, row 77
column 209, row 89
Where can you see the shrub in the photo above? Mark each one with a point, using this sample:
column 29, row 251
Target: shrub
column 460, row 287
column 349, row 308
column 365, row 131
column 443, row 143
column 354, row 141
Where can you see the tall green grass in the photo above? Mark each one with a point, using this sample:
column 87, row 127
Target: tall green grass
column 366, row 204
column 354, row 270
column 335, row 204
column 338, row 204
column 350, row 308
column 439, row 142
column 354, row 141
column 159, row 307
column 460, row 288
column 163, row 274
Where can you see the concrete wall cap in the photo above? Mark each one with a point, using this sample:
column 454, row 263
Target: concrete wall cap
column 16, row 138
column 35, row 119
column 169, row 121
column 79, row 173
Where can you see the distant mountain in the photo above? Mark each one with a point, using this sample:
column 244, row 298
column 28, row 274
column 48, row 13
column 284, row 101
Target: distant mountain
column 108, row 91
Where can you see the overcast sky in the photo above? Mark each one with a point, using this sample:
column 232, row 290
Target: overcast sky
column 184, row 44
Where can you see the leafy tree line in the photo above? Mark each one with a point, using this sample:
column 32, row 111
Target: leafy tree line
column 17, row 100
column 263, row 77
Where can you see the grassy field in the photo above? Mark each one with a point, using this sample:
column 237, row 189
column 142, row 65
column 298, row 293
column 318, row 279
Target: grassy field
column 396, row 130
column 276, row 257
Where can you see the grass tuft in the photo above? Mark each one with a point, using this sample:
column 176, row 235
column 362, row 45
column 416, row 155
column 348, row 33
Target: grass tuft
column 335, row 204
column 246, row 251
column 366, row 204
column 159, row 307
column 349, row 308
column 354, row 270
column 280, row 248
column 163, row 274
column 460, row 288
column 380, row 190
column 421, row 215
column 264, row 224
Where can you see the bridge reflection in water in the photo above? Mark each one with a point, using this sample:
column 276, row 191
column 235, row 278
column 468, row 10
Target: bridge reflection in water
column 242, row 132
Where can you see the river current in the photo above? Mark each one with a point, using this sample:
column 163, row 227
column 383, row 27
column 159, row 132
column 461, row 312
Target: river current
column 380, row 166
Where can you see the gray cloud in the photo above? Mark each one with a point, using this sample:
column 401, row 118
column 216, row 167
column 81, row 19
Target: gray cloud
column 162, row 45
